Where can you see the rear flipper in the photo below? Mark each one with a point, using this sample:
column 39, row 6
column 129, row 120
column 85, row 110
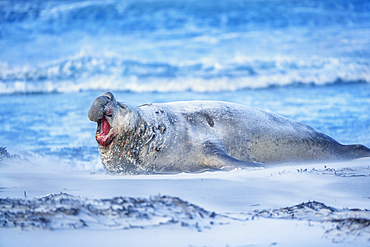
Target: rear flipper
column 355, row 151
column 216, row 158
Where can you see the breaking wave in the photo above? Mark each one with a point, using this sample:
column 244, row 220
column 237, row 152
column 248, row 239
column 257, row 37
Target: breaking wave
column 95, row 73
column 176, row 46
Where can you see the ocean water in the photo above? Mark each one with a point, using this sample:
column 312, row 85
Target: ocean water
column 307, row 60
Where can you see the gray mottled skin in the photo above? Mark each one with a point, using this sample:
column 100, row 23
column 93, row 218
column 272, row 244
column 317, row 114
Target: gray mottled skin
column 203, row 135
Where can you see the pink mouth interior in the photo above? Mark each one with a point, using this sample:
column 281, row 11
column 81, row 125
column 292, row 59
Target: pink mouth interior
column 105, row 127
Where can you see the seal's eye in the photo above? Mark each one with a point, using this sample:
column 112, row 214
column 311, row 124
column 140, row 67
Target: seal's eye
column 122, row 105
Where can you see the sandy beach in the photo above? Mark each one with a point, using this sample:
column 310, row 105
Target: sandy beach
column 248, row 204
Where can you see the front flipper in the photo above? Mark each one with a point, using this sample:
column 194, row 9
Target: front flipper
column 217, row 158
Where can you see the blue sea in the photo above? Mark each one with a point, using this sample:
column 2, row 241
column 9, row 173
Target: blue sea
column 307, row 60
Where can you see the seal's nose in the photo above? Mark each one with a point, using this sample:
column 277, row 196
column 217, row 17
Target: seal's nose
column 98, row 107
column 109, row 95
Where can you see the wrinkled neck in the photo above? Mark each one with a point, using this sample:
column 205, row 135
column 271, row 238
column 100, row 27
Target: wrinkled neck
column 123, row 155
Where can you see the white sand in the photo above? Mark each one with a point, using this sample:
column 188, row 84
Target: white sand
column 232, row 193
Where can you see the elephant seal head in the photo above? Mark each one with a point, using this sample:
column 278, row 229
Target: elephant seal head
column 112, row 118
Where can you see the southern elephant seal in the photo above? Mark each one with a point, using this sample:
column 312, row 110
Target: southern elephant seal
column 198, row 136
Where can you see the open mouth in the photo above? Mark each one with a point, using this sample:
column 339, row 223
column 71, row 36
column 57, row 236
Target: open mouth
column 104, row 133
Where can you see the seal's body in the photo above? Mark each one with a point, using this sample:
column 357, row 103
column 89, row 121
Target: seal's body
column 204, row 135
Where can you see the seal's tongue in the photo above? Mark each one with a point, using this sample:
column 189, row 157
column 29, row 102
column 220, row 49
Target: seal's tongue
column 105, row 127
